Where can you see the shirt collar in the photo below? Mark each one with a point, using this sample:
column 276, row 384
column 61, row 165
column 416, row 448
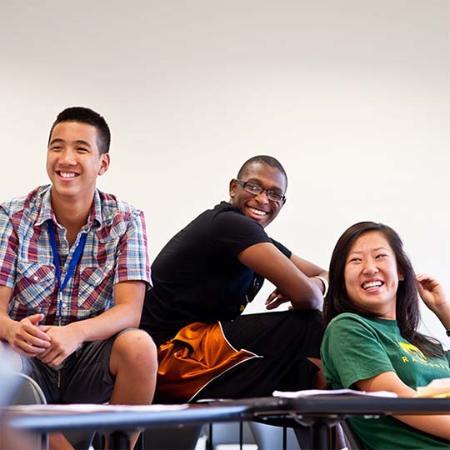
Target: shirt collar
column 46, row 211
column 95, row 216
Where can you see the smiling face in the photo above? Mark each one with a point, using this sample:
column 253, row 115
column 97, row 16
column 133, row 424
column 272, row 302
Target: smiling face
column 258, row 207
column 74, row 162
column 371, row 275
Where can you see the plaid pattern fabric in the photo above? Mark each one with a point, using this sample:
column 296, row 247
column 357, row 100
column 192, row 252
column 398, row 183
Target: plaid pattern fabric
column 115, row 251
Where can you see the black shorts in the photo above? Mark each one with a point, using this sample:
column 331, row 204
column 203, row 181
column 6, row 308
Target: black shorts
column 84, row 377
column 284, row 340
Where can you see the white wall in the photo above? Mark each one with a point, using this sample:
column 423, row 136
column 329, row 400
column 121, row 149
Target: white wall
column 352, row 96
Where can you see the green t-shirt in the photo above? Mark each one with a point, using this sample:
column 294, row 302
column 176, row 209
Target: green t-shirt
column 356, row 348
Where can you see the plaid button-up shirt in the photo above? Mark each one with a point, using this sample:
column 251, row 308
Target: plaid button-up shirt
column 115, row 251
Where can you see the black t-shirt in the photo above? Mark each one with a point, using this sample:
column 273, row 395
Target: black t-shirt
column 197, row 276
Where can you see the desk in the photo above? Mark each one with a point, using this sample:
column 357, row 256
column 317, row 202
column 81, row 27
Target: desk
column 319, row 411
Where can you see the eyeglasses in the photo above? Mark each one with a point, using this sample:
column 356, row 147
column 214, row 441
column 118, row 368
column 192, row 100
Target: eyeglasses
column 256, row 189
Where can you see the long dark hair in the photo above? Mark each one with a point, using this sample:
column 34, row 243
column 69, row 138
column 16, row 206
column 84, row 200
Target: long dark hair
column 407, row 306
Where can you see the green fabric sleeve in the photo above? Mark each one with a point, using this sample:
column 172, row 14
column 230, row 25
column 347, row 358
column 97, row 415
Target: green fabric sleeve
column 352, row 352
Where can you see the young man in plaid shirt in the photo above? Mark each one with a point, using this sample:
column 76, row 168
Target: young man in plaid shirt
column 73, row 274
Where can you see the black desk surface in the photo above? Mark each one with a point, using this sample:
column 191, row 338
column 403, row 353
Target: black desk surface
column 47, row 418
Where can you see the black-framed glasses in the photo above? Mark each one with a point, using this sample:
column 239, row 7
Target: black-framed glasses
column 256, row 189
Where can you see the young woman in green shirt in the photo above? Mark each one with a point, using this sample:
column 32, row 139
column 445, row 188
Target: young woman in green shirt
column 372, row 343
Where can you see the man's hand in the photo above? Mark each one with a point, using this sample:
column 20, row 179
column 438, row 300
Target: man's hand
column 275, row 299
column 64, row 341
column 27, row 338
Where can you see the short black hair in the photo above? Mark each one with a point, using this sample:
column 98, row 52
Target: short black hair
column 86, row 115
column 264, row 159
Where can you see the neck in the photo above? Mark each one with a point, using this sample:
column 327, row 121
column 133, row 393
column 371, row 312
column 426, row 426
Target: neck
column 71, row 214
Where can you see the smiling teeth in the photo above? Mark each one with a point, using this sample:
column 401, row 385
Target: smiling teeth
column 67, row 174
column 258, row 212
column 372, row 284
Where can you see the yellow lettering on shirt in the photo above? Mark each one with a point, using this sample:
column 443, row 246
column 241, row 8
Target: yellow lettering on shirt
column 416, row 354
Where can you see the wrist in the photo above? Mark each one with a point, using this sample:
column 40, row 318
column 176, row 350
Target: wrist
column 8, row 328
column 79, row 331
column 442, row 312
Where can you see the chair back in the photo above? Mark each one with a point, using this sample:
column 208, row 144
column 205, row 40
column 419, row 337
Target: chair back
column 352, row 440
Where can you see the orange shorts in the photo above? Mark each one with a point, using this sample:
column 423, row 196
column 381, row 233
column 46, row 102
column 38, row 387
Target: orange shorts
column 198, row 354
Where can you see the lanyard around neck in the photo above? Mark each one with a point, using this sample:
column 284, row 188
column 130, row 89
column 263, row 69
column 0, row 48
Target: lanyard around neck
column 72, row 264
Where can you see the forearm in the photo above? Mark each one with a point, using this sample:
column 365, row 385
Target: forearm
column 308, row 268
column 6, row 324
column 437, row 425
column 443, row 315
column 308, row 297
column 266, row 260
column 105, row 325
column 303, row 291
column 5, row 321
column 316, row 275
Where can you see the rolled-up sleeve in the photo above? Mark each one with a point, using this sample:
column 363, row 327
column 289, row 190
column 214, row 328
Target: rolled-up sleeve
column 132, row 255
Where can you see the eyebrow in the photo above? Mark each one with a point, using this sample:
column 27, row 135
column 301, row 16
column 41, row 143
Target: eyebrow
column 372, row 250
column 62, row 141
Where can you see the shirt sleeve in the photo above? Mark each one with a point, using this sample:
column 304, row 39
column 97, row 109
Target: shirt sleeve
column 8, row 250
column 132, row 255
column 235, row 232
column 286, row 252
column 352, row 352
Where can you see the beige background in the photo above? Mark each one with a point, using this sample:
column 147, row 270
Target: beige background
column 353, row 96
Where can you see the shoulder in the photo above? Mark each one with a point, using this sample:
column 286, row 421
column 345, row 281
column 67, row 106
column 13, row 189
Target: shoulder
column 25, row 205
column 348, row 324
column 345, row 319
column 227, row 217
column 113, row 209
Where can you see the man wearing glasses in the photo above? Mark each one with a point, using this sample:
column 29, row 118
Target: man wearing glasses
column 202, row 281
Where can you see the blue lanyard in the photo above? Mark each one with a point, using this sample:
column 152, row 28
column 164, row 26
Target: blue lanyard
column 72, row 265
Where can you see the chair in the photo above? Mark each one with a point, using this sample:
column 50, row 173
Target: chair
column 30, row 393
column 351, row 439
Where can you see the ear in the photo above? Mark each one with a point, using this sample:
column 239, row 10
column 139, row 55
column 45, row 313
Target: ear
column 401, row 277
column 233, row 187
column 104, row 163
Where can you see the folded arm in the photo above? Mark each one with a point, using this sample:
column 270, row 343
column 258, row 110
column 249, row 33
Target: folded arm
column 25, row 336
column 126, row 313
column 290, row 276
column 438, row 425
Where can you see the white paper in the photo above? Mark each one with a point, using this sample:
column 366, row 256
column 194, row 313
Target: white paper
column 89, row 407
column 437, row 388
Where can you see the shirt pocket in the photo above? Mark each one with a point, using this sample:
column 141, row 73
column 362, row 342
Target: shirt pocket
column 34, row 285
column 96, row 288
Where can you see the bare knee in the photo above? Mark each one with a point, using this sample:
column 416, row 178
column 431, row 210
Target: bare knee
column 136, row 350
column 320, row 382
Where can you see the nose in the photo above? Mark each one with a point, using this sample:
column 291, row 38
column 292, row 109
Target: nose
column 262, row 197
column 369, row 266
column 67, row 156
